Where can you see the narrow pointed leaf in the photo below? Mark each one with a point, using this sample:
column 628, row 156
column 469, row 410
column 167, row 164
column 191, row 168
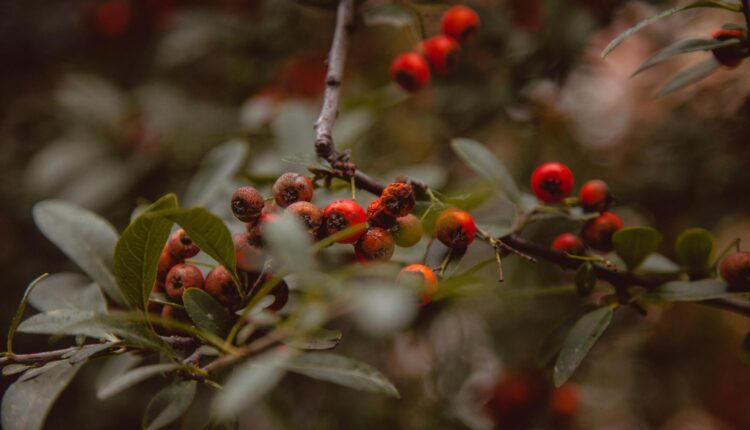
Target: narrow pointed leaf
column 690, row 76
column 27, row 402
column 634, row 244
column 680, row 291
column 732, row 6
column 138, row 250
column 85, row 237
column 206, row 312
column 169, row 405
column 19, row 311
column 132, row 377
column 684, row 47
column 320, row 340
column 485, row 164
column 579, row 341
column 342, row 371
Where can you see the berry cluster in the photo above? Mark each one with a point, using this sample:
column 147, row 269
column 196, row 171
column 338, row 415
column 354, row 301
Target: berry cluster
column 553, row 183
column 411, row 70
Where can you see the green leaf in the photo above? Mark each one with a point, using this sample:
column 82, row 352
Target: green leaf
column 115, row 367
column 84, row 237
column 579, row 341
column 132, row 332
column 342, row 371
column 132, row 377
column 63, row 322
column 553, row 341
column 732, row 6
column 67, row 291
column 19, row 311
column 486, row 165
column 208, row 232
column 252, row 380
column 684, row 47
column 289, row 244
column 27, row 402
column 495, row 230
column 319, row 340
column 585, row 279
column 658, row 268
column 216, row 170
column 634, row 244
column 169, row 404
column 689, row 76
column 138, row 250
column 694, row 248
column 206, row 312
column 680, row 291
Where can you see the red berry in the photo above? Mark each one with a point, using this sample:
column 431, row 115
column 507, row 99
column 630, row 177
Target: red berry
column 735, row 269
column 247, row 204
column 219, row 285
column 181, row 246
column 564, row 401
column 398, row 199
column 552, row 182
column 292, row 187
column 342, row 214
column 569, row 244
column 248, row 255
column 310, row 215
column 377, row 215
column 513, row 400
column 408, row 231
column 112, row 18
column 376, row 244
column 597, row 233
column 441, row 52
column 459, row 22
column 180, row 278
column 427, row 281
column 166, row 262
column 595, row 196
column 729, row 56
column 455, row 228
column 410, row 71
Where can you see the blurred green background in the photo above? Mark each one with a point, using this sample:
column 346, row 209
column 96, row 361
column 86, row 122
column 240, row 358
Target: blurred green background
column 106, row 103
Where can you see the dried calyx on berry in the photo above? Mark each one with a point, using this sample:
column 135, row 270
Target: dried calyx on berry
column 180, row 278
column 398, row 199
column 595, row 196
column 342, row 214
column 181, row 246
column 292, row 187
column 378, row 216
column 410, row 71
column 735, row 269
column 247, row 204
column 552, row 182
column 455, row 228
column 376, row 244
column 732, row 55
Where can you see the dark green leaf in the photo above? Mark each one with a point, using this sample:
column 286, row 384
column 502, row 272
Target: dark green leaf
column 585, row 279
column 208, row 232
column 169, row 404
column 684, row 47
column 251, row 381
column 689, row 76
column 67, row 291
column 206, row 312
column 695, row 248
column 19, row 311
column 216, row 170
column 579, row 341
column 732, row 6
column 27, row 402
column 138, row 250
column 84, row 237
column 320, row 340
column 132, row 377
column 634, row 244
column 678, row 291
column 64, row 322
column 342, row 371
column 553, row 341
column 486, row 165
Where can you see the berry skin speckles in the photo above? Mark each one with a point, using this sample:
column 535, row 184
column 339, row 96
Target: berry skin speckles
column 219, row 285
column 180, row 278
column 376, row 244
column 342, row 214
column 410, row 71
column 181, row 246
column 552, row 182
column 455, row 228
column 247, row 204
column 292, row 187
